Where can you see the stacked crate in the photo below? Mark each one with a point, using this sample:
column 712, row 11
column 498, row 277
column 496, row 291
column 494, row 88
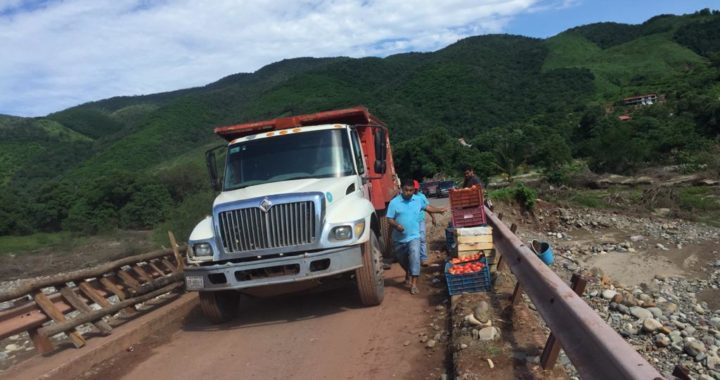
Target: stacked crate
column 466, row 207
column 472, row 235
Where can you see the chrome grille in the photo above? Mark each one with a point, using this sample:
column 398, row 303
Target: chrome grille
column 284, row 225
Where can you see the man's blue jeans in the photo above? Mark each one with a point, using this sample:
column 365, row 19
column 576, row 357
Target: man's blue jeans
column 408, row 255
column 423, row 242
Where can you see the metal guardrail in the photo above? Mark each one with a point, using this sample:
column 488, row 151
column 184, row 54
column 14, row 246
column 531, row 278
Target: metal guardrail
column 131, row 280
column 594, row 348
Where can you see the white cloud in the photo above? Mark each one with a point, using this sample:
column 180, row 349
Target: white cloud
column 62, row 53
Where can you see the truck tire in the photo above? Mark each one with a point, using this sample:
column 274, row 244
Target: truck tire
column 370, row 280
column 385, row 241
column 219, row 306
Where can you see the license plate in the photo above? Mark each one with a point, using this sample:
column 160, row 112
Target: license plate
column 194, row 282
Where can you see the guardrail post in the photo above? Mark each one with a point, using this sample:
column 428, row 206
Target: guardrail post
column 552, row 347
column 500, row 265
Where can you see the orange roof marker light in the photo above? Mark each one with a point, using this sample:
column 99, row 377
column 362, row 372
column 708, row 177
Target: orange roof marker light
column 270, row 134
column 296, row 130
column 284, row 132
column 349, row 116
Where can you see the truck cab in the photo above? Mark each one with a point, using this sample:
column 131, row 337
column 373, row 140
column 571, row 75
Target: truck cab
column 301, row 201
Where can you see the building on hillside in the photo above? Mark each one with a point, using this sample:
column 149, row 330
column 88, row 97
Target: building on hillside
column 624, row 117
column 644, row 100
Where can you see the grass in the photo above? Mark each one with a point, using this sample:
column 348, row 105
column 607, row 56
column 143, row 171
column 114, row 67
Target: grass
column 702, row 202
column 28, row 243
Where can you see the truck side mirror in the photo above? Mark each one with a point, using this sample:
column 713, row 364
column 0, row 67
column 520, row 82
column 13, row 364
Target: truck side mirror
column 211, row 162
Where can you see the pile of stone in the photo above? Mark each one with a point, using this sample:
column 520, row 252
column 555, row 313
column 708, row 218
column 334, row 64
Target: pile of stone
column 665, row 322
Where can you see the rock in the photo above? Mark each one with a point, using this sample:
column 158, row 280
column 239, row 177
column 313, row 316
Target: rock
column 662, row 247
column 618, row 298
column 699, row 309
column 3, row 356
column 675, row 336
column 475, row 333
column 608, row 294
column 656, row 312
column 637, row 238
column 640, row 313
column 694, row 348
column 668, row 307
column 661, row 340
column 430, row 343
column 489, row 333
column 406, row 343
column 482, row 312
column 665, row 330
column 629, row 300
column 715, row 322
column 712, row 362
column 12, row 347
column 650, row 325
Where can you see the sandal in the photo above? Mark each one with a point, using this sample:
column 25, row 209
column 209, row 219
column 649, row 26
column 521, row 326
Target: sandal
column 414, row 290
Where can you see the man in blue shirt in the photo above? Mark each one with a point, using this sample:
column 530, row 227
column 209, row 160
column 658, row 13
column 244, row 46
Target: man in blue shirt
column 403, row 214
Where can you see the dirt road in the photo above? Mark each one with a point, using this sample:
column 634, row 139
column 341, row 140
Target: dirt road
column 326, row 335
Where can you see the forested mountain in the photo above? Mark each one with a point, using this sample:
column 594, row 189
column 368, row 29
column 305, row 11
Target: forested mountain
column 136, row 162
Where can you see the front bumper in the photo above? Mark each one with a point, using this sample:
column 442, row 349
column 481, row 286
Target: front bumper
column 273, row 271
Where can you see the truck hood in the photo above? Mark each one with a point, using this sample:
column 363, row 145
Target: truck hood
column 336, row 187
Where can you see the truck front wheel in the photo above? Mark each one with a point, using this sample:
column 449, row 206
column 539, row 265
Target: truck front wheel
column 219, row 306
column 385, row 233
column 370, row 280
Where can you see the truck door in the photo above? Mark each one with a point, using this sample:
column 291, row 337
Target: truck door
column 360, row 162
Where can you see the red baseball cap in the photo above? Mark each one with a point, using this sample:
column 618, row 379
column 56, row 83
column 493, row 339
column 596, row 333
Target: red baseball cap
column 416, row 184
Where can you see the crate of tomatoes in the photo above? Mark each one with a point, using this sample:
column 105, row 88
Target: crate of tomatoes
column 468, row 276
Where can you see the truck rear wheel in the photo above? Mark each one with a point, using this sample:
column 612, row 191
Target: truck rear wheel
column 219, row 306
column 385, row 231
column 370, row 280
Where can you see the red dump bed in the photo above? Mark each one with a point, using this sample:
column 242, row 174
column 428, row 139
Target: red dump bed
column 383, row 184
column 351, row 116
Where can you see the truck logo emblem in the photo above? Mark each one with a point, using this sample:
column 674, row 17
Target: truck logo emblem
column 265, row 205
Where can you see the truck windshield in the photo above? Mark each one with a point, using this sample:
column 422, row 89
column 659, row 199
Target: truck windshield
column 318, row 154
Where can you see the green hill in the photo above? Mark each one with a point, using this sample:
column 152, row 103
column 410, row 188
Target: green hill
column 518, row 100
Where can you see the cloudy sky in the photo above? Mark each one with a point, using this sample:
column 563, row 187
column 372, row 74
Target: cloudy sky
column 56, row 54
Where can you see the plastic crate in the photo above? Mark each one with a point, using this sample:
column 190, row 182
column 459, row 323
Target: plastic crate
column 468, row 217
column 463, row 198
column 450, row 241
column 468, row 282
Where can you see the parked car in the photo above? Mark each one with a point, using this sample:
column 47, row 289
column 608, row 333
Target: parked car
column 443, row 188
column 429, row 188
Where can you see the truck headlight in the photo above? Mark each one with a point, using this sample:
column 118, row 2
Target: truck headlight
column 202, row 249
column 359, row 228
column 342, row 233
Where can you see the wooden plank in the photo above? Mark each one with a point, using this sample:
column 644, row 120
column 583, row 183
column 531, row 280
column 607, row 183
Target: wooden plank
column 42, row 343
column 176, row 251
column 109, row 285
column 168, row 265
column 47, row 306
column 26, row 286
column 156, row 268
column 128, row 280
column 474, row 246
column 80, row 305
column 475, row 239
column 90, row 292
column 141, row 272
column 54, row 329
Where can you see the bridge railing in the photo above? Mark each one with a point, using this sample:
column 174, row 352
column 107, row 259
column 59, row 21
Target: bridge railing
column 594, row 348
